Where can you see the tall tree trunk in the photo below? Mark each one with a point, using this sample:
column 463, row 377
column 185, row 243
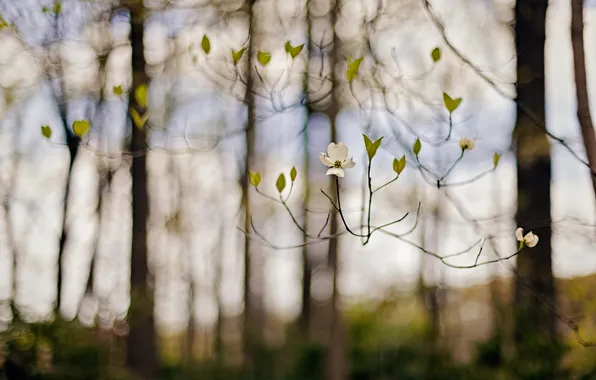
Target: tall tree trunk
column 581, row 86
column 305, row 313
column 249, row 319
column 534, row 332
column 336, row 361
column 141, row 342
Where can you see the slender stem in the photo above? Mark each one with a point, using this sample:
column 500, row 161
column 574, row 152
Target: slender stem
column 370, row 197
column 452, row 166
column 387, row 184
column 341, row 214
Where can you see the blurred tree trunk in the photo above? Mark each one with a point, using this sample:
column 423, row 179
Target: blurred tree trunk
column 581, row 86
column 305, row 313
column 534, row 332
column 72, row 141
column 142, row 355
column 250, row 334
column 336, row 355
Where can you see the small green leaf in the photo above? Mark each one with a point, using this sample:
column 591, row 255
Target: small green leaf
column 264, row 57
column 451, row 104
column 376, row 146
column 353, row 67
column 237, row 55
column 293, row 50
column 436, row 54
column 46, row 131
column 141, row 95
column 3, row 23
column 57, row 7
column 80, row 127
column 45, row 9
column 206, row 44
column 367, row 143
column 371, row 147
column 117, row 90
column 399, row 165
column 417, row 146
column 254, row 178
column 138, row 120
column 280, row 184
column 496, row 158
column 293, row 174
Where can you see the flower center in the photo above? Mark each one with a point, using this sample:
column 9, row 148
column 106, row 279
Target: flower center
column 337, row 164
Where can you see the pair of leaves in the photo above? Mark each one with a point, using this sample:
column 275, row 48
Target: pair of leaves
column 79, row 128
column 436, row 54
column 206, row 44
column 46, row 131
column 399, row 165
column 55, row 9
column 371, row 147
column 417, row 147
column 237, row 55
column 264, row 57
column 280, row 184
column 138, row 120
column 450, row 103
column 293, row 50
column 118, row 90
column 254, row 178
column 353, row 67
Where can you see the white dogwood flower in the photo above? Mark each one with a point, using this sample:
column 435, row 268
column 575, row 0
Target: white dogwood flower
column 529, row 239
column 337, row 159
column 466, row 143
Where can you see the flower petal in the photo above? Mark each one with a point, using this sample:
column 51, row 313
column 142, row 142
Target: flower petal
column 337, row 152
column 336, row 171
column 348, row 164
column 519, row 234
column 325, row 160
column 531, row 239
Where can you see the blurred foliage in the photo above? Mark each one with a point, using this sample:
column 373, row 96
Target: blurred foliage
column 389, row 339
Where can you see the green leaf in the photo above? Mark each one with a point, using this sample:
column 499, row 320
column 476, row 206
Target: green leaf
column 80, row 127
column 237, row 55
column 3, row 23
column 280, row 184
column 141, row 95
column 293, row 50
column 46, row 131
column 206, row 44
column 138, row 120
column 371, row 147
column 376, row 146
column 353, row 67
column 436, row 54
column 293, row 174
column 399, row 165
column 117, row 90
column 496, row 158
column 451, row 104
column 264, row 57
column 417, row 146
column 45, row 9
column 57, row 7
column 254, row 178
column 367, row 143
